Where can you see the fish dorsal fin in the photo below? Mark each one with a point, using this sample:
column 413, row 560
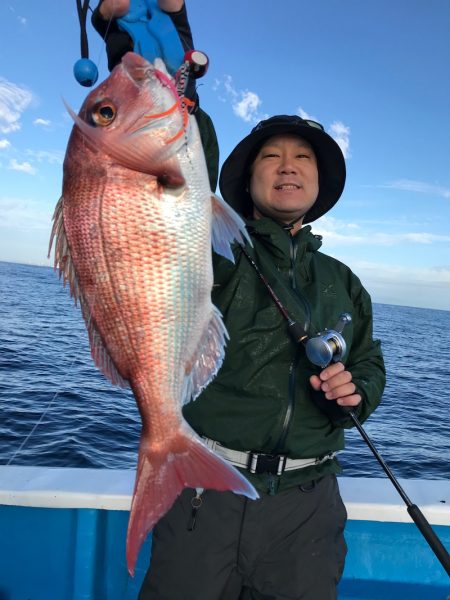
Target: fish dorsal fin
column 63, row 258
column 207, row 359
column 64, row 263
column 227, row 226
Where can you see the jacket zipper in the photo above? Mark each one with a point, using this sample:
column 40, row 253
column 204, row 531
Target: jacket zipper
column 290, row 407
column 306, row 307
column 293, row 366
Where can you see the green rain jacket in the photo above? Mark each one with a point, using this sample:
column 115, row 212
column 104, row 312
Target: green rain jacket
column 261, row 399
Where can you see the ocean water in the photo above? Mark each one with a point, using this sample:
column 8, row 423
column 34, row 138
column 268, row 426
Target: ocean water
column 58, row 410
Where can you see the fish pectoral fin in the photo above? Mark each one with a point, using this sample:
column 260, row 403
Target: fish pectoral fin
column 227, row 226
column 207, row 358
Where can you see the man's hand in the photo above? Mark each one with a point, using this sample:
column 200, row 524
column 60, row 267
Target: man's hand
column 337, row 385
column 114, row 9
column 170, row 6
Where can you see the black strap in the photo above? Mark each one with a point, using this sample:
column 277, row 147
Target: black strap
column 82, row 9
column 296, row 331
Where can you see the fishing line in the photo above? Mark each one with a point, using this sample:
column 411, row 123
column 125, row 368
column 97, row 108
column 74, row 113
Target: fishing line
column 102, row 50
column 38, row 422
column 47, row 408
column 20, row 448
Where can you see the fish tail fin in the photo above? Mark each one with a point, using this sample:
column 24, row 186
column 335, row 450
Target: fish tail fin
column 162, row 476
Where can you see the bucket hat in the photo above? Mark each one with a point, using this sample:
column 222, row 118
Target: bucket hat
column 234, row 176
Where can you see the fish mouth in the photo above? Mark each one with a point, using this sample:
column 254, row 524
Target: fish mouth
column 137, row 67
column 144, row 73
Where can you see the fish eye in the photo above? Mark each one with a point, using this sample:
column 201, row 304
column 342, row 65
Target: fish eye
column 104, row 113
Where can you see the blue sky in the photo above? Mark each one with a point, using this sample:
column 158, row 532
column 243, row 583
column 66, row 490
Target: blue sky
column 376, row 74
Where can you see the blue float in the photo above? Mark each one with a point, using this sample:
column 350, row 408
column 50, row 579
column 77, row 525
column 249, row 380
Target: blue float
column 85, row 71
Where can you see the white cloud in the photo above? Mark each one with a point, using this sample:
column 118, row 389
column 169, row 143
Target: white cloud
column 428, row 288
column 14, row 99
column 245, row 103
column 55, row 157
column 4, row 144
column 338, row 131
column 421, row 187
column 247, row 106
column 228, row 84
column 304, row 115
column 341, row 134
column 22, row 20
column 341, row 233
column 24, row 167
column 413, row 275
column 43, row 122
column 23, row 214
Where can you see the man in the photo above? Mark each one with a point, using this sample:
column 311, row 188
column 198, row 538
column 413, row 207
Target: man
column 288, row 544
column 262, row 411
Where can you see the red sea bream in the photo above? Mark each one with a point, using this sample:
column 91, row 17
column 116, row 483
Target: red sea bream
column 133, row 233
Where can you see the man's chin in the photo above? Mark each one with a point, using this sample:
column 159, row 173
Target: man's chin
column 288, row 216
column 281, row 215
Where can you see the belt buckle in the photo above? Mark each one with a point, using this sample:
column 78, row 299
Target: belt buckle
column 266, row 463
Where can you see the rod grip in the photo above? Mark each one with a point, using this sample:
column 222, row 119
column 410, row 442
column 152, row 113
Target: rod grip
column 433, row 541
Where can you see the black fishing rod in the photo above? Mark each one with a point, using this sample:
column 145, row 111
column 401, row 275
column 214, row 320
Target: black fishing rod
column 329, row 346
column 413, row 510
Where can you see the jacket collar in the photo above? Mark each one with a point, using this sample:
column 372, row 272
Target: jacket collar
column 279, row 241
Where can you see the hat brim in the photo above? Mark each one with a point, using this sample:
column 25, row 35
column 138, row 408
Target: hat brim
column 233, row 180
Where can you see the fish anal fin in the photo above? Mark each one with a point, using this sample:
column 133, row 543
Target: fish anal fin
column 102, row 358
column 162, row 476
column 227, row 226
column 207, row 358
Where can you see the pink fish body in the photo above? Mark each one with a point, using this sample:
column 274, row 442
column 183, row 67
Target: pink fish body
column 133, row 230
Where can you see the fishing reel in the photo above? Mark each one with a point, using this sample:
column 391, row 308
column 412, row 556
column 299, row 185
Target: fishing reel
column 328, row 345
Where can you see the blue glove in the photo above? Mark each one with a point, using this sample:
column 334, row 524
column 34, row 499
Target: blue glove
column 153, row 33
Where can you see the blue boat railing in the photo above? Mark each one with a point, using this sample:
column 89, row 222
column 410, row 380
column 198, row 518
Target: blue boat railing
column 63, row 535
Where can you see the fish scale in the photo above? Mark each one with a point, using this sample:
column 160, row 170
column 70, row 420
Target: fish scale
column 133, row 233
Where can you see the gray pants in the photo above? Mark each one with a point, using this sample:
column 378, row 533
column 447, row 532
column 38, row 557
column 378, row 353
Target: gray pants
column 284, row 547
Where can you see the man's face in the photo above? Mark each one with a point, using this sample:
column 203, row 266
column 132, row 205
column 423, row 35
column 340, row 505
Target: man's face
column 284, row 181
